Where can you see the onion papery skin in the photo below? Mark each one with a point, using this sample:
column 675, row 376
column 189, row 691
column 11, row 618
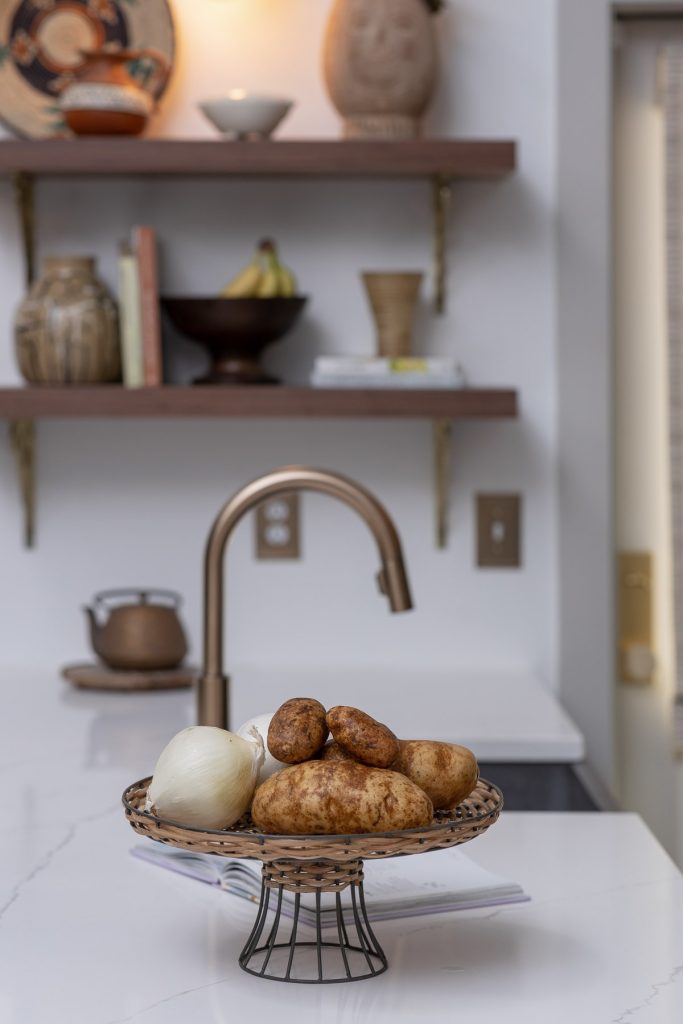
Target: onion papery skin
column 260, row 724
column 205, row 778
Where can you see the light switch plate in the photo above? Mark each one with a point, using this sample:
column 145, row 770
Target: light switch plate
column 277, row 528
column 498, row 531
column 637, row 661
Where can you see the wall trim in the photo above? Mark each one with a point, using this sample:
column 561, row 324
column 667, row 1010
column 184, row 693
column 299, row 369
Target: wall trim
column 584, row 364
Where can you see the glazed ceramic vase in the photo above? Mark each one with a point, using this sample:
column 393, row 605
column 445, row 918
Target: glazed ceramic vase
column 393, row 299
column 380, row 66
column 66, row 330
column 106, row 99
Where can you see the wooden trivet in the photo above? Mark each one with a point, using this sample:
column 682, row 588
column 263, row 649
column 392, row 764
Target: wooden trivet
column 99, row 677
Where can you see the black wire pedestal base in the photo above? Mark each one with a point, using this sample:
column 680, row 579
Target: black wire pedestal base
column 280, row 948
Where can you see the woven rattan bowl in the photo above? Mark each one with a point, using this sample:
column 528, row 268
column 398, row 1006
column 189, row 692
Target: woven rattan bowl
column 472, row 817
column 279, row 951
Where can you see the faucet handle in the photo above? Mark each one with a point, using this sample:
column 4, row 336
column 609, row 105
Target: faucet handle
column 393, row 583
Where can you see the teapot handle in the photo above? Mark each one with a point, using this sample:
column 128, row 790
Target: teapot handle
column 156, row 80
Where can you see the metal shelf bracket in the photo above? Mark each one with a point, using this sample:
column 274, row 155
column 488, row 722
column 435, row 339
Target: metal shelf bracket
column 442, row 194
column 442, row 479
column 22, row 431
column 23, row 439
column 25, row 194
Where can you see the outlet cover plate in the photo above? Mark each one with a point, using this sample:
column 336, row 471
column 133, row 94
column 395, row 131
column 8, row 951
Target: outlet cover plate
column 278, row 528
column 498, row 531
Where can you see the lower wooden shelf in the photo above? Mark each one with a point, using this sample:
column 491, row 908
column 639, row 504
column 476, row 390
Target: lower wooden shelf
column 23, row 406
column 37, row 402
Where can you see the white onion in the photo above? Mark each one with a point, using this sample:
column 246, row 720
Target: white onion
column 255, row 729
column 205, row 777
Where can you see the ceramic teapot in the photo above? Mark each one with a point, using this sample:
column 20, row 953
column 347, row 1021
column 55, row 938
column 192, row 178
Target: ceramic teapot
column 107, row 98
column 143, row 634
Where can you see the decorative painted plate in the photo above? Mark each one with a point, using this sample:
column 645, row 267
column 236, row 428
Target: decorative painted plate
column 40, row 49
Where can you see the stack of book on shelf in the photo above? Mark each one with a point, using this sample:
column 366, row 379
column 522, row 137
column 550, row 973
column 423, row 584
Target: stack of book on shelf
column 139, row 310
column 400, row 887
column 375, row 372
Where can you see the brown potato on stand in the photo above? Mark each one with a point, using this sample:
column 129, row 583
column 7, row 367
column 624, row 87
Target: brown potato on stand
column 365, row 738
column 297, row 730
column 338, row 798
column 446, row 772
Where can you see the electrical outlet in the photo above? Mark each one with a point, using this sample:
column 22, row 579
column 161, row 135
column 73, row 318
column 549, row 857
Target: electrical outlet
column 498, row 530
column 277, row 528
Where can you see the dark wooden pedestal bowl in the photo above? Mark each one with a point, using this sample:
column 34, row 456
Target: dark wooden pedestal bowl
column 235, row 332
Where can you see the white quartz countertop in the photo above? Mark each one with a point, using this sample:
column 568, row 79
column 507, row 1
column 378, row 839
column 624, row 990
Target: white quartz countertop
column 500, row 716
column 89, row 935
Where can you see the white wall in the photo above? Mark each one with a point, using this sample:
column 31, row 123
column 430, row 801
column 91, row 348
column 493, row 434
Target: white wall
column 131, row 502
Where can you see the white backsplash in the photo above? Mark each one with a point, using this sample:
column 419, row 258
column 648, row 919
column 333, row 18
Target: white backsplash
column 131, row 502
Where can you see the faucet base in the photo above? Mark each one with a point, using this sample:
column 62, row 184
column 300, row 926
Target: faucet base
column 213, row 703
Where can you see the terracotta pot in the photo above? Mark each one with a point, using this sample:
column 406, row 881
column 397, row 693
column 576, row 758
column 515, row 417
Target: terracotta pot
column 393, row 298
column 66, row 329
column 106, row 99
column 380, row 65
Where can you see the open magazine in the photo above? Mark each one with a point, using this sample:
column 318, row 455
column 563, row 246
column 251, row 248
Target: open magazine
column 395, row 887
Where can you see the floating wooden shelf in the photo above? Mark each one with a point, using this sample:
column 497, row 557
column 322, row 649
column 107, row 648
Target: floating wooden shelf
column 249, row 402
column 448, row 158
column 439, row 161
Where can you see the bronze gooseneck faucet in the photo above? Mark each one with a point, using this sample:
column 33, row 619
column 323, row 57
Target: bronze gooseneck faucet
column 213, row 684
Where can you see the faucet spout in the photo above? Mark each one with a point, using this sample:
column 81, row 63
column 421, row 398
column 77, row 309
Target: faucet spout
column 213, row 684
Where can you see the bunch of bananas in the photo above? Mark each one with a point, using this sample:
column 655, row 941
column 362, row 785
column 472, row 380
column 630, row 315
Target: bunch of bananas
column 264, row 278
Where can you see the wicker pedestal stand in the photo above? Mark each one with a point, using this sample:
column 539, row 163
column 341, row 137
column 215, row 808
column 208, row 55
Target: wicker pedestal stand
column 283, row 948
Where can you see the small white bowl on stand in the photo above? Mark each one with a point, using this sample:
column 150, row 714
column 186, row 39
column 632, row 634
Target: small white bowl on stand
column 245, row 115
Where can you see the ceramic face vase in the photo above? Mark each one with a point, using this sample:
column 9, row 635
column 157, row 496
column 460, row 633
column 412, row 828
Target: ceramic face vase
column 66, row 329
column 380, row 65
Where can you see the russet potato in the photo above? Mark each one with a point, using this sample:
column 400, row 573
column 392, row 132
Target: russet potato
column 338, row 798
column 446, row 772
column 365, row 739
column 297, row 730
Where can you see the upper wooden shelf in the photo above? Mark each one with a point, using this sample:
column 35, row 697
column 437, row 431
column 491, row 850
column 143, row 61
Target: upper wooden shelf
column 265, row 402
column 451, row 158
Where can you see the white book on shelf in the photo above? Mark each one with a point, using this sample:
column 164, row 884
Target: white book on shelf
column 130, row 318
column 398, row 383
column 375, row 372
column 433, row 883
column 381, row 366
